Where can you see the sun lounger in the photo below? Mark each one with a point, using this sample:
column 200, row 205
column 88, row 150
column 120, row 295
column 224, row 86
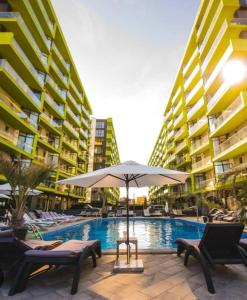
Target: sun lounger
column 119, row 213
column 12, row 250
column 176, row 213
column 146, row 213
column 218, row 245
column 72, row 252
column 38, row 222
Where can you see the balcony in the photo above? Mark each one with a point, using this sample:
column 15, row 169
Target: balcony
column 199, row 145
column 193, row 78
column 71, row 129
column 195, row 94
column 85, row 123
column 59, row 108
column 67, row 170
column 181, row 146
column 54, row 126
column 21, row 84
column 63, row 62
column 85, row 112
column 176, row 95
column 170, row 135
column 206, row 185
column 182, row 159
column 69, row 157
column 83, row 144
column 59, row 91
column 78, row 94
column 215, row 46
column 203, row 165
column 84, row 133
column 170, row 147
column 199, row 127
column 234, row 146
column 192, row 61
column 71, row 144
column 44, row 38
column 170, row 159
column 76, row 119
column 231, row 117
column 15, row 16
column 12, row 114
column 178, row 108
column 76, row 105
column 170, row 125
column 217, row 97
column 179, row 120
column 202, row 28
column 196, row 110
column 50, row 143
column 46, row 17
column 37, row 74
column 62, row 77
column 181, row 133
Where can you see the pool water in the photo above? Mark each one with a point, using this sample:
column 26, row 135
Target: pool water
column 152, row 233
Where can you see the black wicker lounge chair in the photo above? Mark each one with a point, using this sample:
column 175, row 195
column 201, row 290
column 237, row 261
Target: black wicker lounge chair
column 218, row 245
column 72, row 252
column 12, row 251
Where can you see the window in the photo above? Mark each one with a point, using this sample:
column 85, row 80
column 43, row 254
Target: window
column 25, row 142
column 100, row 133
column 100, row 124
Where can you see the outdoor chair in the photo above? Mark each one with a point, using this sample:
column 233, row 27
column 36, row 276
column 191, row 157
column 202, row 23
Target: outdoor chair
column 119, row 213
column 12, row 251
column 176, row 213
column 72, row 252
column 146, row 213
column 218, row 245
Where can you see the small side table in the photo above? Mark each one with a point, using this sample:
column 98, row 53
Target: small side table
column 132, row 240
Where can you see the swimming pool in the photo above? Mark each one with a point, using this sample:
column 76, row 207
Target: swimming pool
column 152, row 233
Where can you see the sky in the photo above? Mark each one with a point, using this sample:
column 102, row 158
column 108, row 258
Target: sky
column 127, row 53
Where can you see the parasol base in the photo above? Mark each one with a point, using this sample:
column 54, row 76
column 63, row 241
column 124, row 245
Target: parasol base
column 135, row 266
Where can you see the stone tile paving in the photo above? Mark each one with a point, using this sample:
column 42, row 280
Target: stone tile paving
column 164, row 278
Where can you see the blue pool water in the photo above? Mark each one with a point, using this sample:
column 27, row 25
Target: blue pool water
column 152, row 233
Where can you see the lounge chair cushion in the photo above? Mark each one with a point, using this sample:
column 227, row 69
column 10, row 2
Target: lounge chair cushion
column 243, row 243
column 6, row 233
column 188, row 242
column 74, row 246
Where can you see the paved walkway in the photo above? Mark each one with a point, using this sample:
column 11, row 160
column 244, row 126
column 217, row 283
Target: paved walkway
column 164, row 277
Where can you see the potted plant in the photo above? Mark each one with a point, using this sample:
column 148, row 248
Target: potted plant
column 22, row 177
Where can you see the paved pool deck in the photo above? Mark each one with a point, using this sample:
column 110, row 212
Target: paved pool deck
column 164, row 277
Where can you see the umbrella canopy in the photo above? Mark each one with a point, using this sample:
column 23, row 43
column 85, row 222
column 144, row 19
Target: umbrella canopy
column 6, row 190
column 127, row 174
column 135, row 174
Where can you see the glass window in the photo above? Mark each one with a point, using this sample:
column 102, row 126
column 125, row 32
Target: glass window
column 100, row 133
column 25, row 142
column 100, row 124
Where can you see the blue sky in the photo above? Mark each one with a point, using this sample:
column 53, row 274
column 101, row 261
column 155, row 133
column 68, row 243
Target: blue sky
column 127, row 53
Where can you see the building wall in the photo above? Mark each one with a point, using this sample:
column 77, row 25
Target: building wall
column 44, row 110
column 205, row 120
column 105, row 154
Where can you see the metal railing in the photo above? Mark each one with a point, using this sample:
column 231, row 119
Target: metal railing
column 19, row 80
column 197, row 125
column 236, row 137
column 195, row 107
column 59, row 108
column 195, row 145
column 71, row 128
column 205, row 162
column 60, row 91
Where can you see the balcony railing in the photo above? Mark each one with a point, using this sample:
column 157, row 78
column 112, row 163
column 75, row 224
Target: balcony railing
column 72, row 143
column 4, row 64
column 179, row 132
column 63, row 77
column 205, row 162
column 237, row 137
column 64, row 62
column 85, row 122
column 193, row 92
column 59, row 108
column 177, row 107
column 170, row 135
column 214, row 99
column 70, row 156
column 205, row 184
column 180, row 146
column 71, row 128
column 50, row 120
column 198, row 143
column 77, row 105
column 84, row 132
column 59, row 90
column 79, row 94
column 226, row 114
column 17, row 16
column 74, row 116
column 188, row 80
column 36, row 21
column 48, row 20
column 52, row 142
column 187, row 66
column 177, row 120
column 196, row 107
column 85, row 111
column 83, row 144
column 9, row 136
column 40, row 76
column 201, row 122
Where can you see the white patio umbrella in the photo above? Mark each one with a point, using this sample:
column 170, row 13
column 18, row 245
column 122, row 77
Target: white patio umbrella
column 6, row 190
column 127, row 174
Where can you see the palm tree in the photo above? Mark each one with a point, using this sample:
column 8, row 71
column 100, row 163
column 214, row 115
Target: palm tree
column 22, row 177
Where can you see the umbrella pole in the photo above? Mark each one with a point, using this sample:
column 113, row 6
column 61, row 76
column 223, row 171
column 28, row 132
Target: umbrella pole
column 127, row 240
